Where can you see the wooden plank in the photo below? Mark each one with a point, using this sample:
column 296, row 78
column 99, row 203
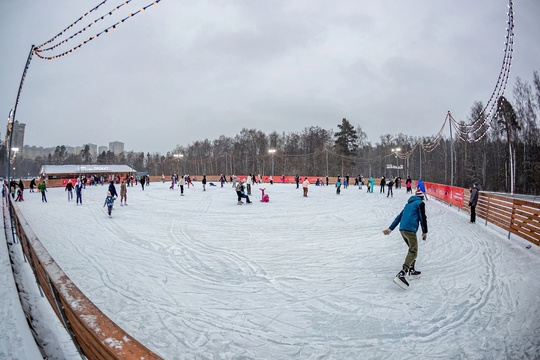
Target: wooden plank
column 97, row 335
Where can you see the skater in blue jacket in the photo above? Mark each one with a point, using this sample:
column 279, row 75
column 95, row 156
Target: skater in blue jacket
column 413, row 213
column 109, row 202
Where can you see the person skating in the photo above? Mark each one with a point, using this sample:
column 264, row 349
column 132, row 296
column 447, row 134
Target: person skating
column 408, row 185
column 248, row 185
column 240, row 193
column 382, row 183
column 413, row 213
column 473, row 200
column 181, row 183
column 390, row 185
column 338, row 186
column 43, row 189
column 305, row 186
column 32, row 185
column 112, row 189
column 69, row 189
column 123, row 193
column 78, row 191
column 204, row 183
column 109, row 202
column 422, row 187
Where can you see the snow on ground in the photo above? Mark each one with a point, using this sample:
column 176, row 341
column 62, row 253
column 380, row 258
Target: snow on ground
column 16, row 339
column 201, row 277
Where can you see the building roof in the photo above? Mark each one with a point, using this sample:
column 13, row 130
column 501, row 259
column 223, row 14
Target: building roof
column 84, row 169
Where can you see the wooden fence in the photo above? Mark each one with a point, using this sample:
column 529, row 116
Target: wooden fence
column 517, row 216
column 95, row 335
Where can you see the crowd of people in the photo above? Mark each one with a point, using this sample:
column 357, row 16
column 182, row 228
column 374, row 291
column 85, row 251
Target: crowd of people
column 410, row 219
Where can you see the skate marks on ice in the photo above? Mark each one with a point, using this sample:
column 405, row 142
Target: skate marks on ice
column 199, row 277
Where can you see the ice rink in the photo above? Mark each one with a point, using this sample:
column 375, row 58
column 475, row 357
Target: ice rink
column 200, row 277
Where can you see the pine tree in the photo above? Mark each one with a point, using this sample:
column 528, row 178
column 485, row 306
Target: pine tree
column 346, row 142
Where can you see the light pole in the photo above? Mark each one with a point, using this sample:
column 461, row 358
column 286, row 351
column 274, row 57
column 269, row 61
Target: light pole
column 396, row 152
column 272, row 152
column 179, row 157
column 14, row 150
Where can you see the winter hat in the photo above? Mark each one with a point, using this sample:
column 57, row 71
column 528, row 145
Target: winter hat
column 419, row 193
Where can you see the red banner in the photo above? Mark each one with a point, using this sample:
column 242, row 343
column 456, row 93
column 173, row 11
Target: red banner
column 450, row 194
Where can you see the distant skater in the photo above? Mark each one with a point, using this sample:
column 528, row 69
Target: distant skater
column 43, row 189
column 78, row 191
column 69, row 189
column 181, row 183
column 123, row 193
column 109, row 202
column 305, row 186
column 390, row 185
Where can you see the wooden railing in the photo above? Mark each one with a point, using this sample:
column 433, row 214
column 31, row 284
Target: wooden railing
column 95, row 335
column 517, row 216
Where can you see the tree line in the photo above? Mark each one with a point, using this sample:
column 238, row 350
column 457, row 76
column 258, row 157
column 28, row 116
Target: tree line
column 506, row 159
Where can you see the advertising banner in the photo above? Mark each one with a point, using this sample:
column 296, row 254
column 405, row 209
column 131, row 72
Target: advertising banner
column 450, row 194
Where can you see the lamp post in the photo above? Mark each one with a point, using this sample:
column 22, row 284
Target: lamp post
column 14, row 150
column 272, row 152
column 396, row 152
column 179, row 157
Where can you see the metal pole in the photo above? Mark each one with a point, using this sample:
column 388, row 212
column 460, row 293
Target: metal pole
column 451, row 152
column 420, row 162
column 10, row 125
column 326, row 161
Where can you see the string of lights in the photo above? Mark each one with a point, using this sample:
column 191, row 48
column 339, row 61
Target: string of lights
column 479, row 128
column 484, row 119
column 72, row 24
column 38, row 50
column 471, row 132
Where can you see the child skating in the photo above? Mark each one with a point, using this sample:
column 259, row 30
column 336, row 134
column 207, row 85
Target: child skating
column 109, row 202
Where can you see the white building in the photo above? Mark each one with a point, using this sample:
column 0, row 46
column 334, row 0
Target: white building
column 116, row 147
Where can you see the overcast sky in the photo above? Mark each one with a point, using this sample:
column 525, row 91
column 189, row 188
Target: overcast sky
column 184, row 71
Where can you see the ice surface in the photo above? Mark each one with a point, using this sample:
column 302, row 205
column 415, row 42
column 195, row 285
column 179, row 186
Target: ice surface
column 198, row 276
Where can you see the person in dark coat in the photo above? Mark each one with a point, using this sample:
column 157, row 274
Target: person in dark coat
column 32, row 185
column 69, row 189
column 389, row 185
column 78, row 191
column 112, row 189
column 473, row 200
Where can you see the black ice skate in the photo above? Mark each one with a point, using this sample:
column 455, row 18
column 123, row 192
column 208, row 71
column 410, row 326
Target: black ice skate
column 413, row 274
column 401, row 281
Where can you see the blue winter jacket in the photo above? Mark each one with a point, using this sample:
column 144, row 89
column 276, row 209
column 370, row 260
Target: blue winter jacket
column 413, row 213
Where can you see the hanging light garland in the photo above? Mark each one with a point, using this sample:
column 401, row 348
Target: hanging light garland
column 39, row 50
column 479, row 128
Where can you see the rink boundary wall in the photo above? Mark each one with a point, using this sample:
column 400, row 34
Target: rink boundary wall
column 517, row 216
column 97, row 336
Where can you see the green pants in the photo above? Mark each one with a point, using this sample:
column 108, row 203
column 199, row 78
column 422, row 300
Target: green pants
column 412, row 243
